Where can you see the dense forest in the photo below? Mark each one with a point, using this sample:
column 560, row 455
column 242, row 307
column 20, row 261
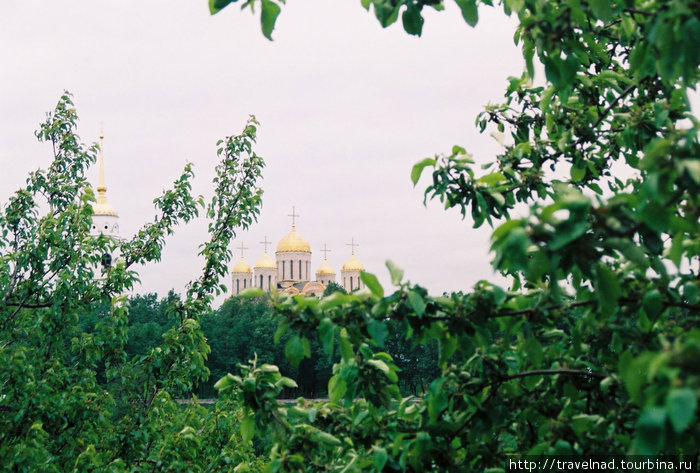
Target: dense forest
column 243, row 329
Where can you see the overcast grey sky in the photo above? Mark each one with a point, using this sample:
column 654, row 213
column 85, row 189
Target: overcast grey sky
column 346, row 109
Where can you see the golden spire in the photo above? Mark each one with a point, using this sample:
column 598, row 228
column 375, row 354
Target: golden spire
column 101, row 207
column 101, row 187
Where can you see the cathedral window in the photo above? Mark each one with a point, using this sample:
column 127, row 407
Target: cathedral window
column 238, row 289
column 261, row 280
column 244, row 281
column 282, row 270
column 291, row 269
column 269, row 282
column 301, row 276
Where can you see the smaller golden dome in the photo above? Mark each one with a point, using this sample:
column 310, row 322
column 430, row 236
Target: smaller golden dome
column 353, row 264
column 293, row 242
column 103, row 209
column 241, row 267
column 325, row 268
column 265, row 263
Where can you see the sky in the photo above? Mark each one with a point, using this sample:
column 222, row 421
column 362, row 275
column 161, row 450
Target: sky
column 346, row 108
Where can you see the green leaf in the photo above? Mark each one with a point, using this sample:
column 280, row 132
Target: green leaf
column 326, row 332
column 384, row 368
column 470, row 12
column 227, row 382
column 652, row 304
column 395, row 273
column 378, row 331
column 607, row 289
column 380, row 457
column 295, row 350
column 578, row 171
column 412, row 20
column 268, row 17
column 650, row 431
column 417, row 303
column 418, row 169
column 248, row 428
column 345, row 345
column 372, row 283
column 601, row 9
column 337, row 387
column 680, row 408
column 215, row 6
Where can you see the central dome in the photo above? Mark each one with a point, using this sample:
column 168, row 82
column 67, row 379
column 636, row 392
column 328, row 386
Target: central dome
column 293, row 242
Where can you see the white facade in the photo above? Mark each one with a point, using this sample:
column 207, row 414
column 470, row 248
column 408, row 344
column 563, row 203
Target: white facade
column 293, row 266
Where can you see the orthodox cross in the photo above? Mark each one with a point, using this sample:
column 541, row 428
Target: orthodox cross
column 241, row 248
column 352, row 244
column 293, row 215
column 265, row 242
column 325, row 252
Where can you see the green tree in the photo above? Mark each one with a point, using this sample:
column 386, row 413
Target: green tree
column 56, row 413
column 593, row 348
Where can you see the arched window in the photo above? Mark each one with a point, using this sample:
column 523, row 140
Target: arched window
column 291, row 269
column 244, row 283
column 269, row 282
column 261, row 280
column 283, row 270
column 238, row 289
column 301, row 276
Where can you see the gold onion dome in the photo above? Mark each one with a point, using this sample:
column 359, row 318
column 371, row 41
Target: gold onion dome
column 353, row 264
column 325, row 268
column 293, row 242
column 103, row 208
column 241, row 267
column 265, row 263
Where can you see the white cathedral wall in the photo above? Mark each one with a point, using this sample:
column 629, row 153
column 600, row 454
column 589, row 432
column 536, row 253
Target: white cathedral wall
column 269, row 278
column 295, row 257
column 241, row 281
column 351, row 280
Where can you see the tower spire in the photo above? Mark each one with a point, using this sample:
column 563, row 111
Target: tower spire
column 101, row 187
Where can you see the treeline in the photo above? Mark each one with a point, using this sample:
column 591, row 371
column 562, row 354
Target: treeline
column 241, row 329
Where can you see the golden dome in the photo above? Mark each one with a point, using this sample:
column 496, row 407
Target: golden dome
column 325, row 268
column 265, row 263
column 241, row 267
column 103, row 209
column 293, row 242
column 353, row 264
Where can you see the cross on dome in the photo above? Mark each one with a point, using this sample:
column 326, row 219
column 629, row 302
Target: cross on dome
column 293, row 215
column 325, row 251
column 352, row 244
column 241, row 248
column 265, row 243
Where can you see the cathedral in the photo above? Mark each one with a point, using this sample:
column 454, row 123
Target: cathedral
column 290, row 271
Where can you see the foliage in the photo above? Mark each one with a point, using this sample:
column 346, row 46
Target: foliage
column 594, row 347
column 56, row 413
